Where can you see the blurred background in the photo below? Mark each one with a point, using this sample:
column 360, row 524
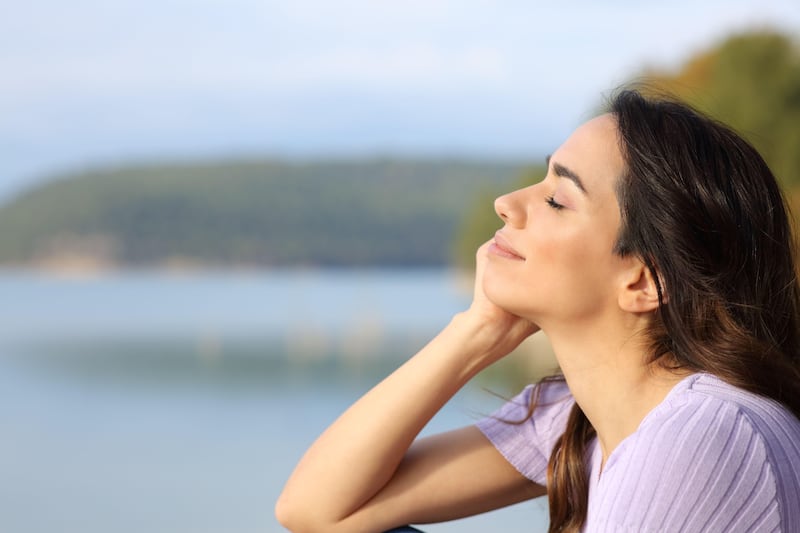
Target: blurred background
column 222, row 222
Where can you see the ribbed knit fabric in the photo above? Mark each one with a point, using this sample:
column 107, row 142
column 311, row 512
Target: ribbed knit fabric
column 710, row 458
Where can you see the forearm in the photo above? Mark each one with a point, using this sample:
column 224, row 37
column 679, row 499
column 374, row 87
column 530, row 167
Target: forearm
column 359, row 453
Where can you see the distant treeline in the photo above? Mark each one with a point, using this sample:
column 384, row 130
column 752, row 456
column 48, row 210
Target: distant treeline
column 250, row 214
column 379, row 212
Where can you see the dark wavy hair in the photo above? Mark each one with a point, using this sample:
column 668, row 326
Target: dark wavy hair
column 701, row 209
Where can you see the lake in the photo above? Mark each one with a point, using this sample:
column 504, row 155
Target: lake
column 180, row 403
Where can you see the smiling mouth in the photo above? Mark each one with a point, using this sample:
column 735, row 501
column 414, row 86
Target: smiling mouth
column 502, row 248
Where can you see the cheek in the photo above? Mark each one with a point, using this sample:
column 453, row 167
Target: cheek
column 559, row 250
column 583, row 248
column 567, row 274
column 570, row 275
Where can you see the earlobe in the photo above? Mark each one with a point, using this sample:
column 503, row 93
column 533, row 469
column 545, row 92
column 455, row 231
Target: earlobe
column 639, row 293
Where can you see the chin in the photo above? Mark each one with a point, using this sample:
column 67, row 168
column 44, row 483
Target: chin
column 503, row 294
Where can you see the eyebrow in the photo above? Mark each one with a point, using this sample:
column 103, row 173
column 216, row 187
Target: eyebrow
column 563, row 172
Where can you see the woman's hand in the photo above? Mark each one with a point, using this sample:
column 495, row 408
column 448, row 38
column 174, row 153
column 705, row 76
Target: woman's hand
column 501, row 330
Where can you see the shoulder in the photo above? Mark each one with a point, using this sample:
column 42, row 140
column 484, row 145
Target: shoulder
column 703, row 408
column 526, row 442
column 710, row 457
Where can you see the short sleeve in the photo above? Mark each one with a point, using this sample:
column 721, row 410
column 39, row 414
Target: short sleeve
column 527, row 445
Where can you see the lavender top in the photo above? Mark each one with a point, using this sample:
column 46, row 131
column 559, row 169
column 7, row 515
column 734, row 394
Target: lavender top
column 710, row 457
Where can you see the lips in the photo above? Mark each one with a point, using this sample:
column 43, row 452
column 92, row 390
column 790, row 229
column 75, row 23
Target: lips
column 502, row 247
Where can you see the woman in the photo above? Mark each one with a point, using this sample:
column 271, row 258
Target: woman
column 657, row 257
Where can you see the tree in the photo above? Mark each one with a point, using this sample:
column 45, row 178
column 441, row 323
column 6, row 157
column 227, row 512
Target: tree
column 750, row 81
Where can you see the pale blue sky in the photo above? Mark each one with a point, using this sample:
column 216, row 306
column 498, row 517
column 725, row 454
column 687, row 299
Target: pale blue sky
column 90, row 82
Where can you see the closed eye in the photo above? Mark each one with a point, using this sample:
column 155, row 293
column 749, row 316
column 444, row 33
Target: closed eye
column 550, row 200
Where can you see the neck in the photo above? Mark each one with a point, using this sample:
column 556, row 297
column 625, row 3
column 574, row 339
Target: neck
column 611, row 380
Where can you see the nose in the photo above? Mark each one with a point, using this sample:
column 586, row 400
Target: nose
column 510, row 210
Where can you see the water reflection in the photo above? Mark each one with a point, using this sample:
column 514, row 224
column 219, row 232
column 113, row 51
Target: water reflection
column 180, row 404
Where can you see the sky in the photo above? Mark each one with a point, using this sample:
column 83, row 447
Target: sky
column 90, row 83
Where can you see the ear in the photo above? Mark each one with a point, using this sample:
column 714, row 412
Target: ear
column 638, row 292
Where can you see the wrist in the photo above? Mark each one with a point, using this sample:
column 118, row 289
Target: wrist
column 481, row 342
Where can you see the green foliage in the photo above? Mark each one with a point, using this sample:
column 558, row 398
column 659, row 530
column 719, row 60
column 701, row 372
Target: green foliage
column 335, row 213
column 750, row 81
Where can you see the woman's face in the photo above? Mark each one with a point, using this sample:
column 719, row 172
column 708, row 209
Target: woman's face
column 553, row 260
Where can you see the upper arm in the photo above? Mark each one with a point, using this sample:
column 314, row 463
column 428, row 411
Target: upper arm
column 443, row 477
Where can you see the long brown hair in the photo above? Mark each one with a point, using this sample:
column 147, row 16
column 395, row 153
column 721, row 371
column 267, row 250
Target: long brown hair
column 703, row 211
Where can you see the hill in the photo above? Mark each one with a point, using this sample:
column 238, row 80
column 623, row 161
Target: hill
column 378, row 212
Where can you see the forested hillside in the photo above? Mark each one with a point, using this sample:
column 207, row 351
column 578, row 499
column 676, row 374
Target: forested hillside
column 251, row 214
column 361, row 213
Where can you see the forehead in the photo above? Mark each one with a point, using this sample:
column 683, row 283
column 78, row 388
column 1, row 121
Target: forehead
column 593, row 152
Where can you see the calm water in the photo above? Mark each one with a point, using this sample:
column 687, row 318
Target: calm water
column 180, row 404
